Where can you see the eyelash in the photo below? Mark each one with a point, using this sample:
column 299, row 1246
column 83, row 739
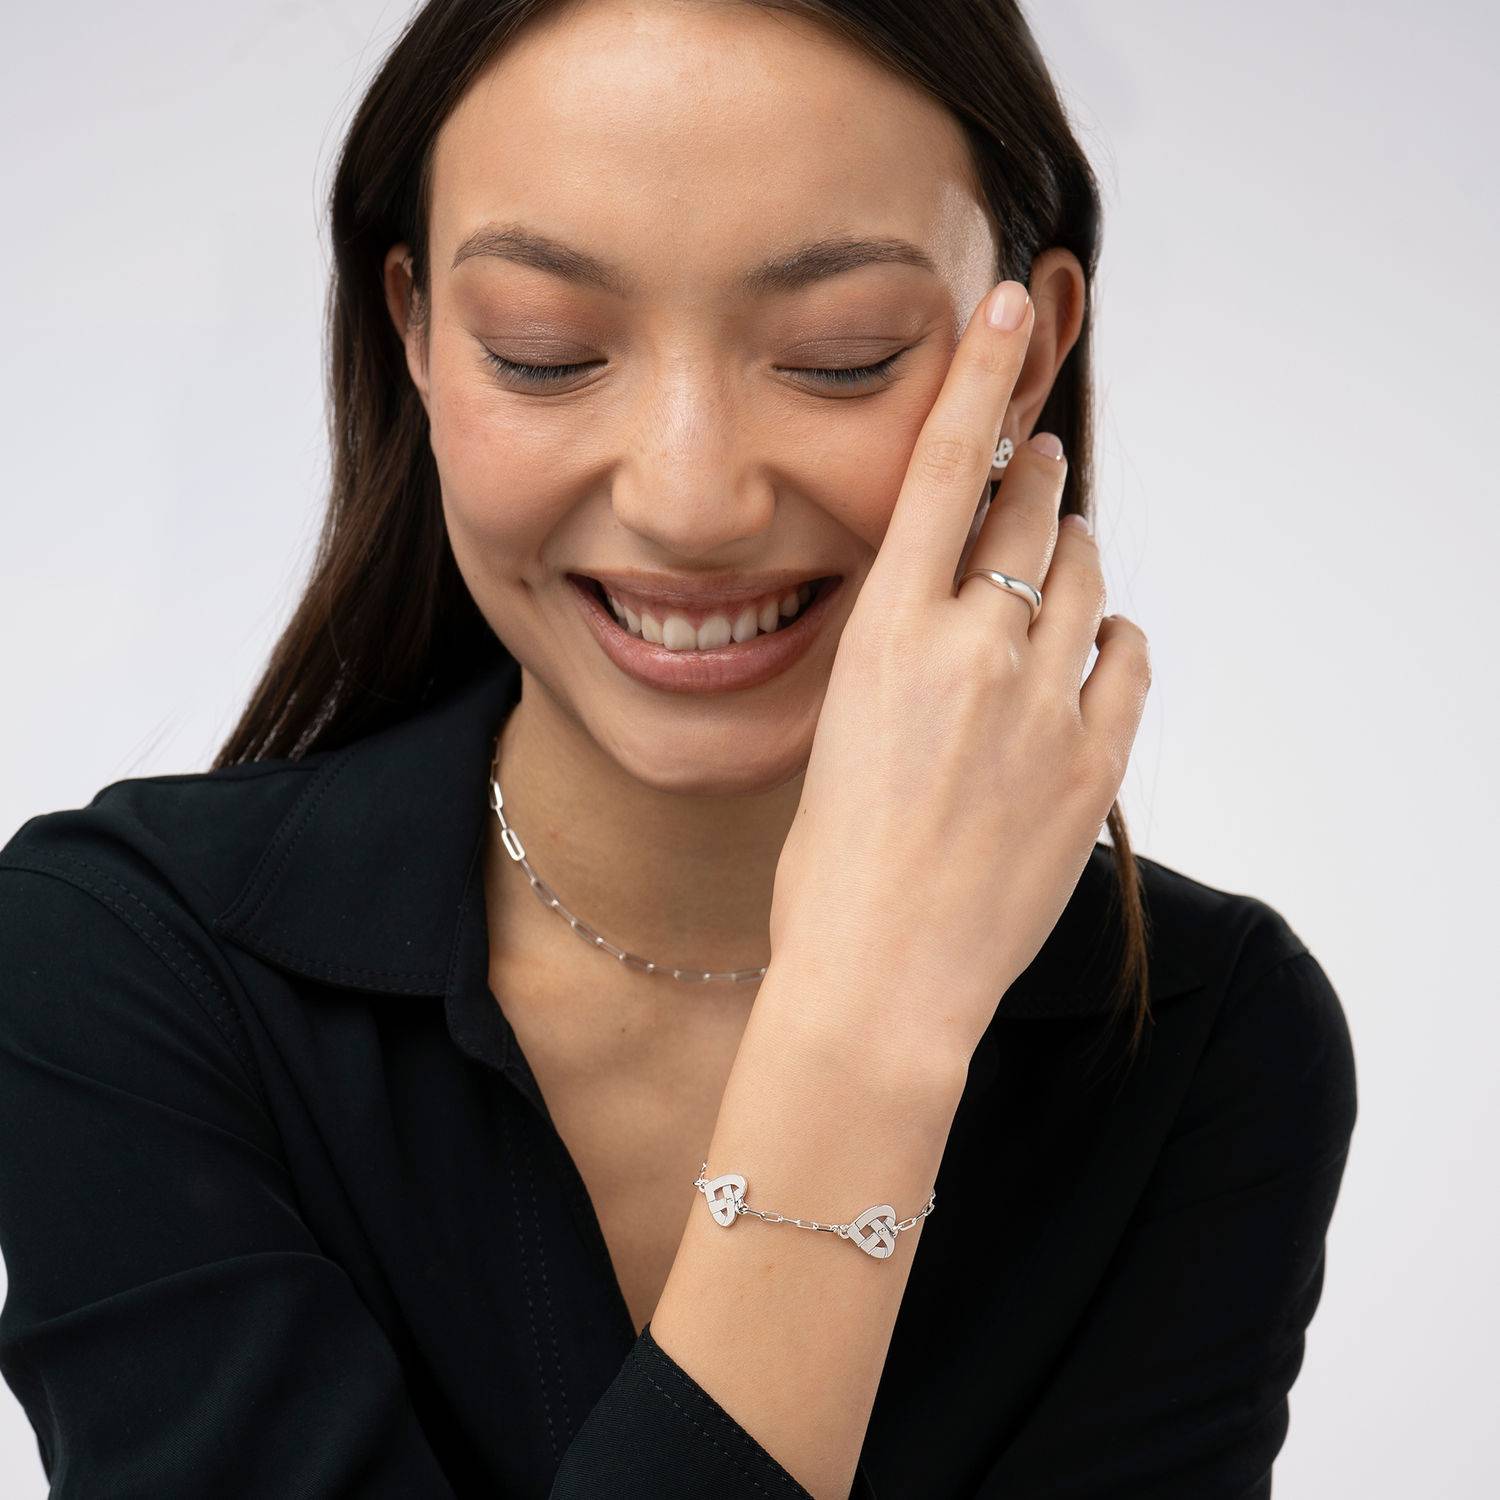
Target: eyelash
column 554, row 374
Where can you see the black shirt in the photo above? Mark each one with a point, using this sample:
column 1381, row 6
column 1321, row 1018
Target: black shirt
column 284, row 1213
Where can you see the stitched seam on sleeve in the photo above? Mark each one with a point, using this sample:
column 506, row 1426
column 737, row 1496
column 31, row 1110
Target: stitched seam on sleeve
column 712, row 1408
column 228, row 1021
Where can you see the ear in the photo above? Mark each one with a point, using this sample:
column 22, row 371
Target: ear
column 1058, row 291
column 407, row 314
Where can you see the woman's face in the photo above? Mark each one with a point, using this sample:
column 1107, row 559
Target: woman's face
column 668, row 150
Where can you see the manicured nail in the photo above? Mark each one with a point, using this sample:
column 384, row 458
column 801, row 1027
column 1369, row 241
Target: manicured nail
column 1046, row 443
column 1007, row 306
column 1078, row 520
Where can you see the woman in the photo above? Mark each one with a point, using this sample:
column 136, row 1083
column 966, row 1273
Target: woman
column 672, row 382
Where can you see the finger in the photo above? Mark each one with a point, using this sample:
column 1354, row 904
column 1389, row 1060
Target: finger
column 950, row 463
column 1114, row 696
column 1018, row 534
column 1072, row 606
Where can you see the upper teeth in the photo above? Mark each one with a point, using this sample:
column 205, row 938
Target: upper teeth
column 677, row 633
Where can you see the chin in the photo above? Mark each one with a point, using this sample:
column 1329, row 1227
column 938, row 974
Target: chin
column 738, row 758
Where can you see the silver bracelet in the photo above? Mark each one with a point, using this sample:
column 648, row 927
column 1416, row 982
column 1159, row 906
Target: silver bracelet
column 874, row 1231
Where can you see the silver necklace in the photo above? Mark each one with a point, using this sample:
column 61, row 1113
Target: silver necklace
column 548, row 897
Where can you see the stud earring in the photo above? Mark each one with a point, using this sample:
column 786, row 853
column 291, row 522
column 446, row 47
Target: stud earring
column 1003, row 453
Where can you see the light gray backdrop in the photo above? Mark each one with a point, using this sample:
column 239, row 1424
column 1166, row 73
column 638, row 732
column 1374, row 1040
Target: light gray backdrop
column 1297, row 324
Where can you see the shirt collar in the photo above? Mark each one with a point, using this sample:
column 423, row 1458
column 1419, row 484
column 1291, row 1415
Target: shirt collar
column 364, row 881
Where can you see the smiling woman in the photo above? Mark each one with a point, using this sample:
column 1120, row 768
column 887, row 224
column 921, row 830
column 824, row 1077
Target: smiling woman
column 706, row 552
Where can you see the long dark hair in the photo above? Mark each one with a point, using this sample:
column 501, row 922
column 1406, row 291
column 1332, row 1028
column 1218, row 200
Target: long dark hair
column 386, row 622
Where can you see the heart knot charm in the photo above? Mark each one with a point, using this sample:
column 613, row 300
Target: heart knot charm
column 881, row 1223
column 725, row 1194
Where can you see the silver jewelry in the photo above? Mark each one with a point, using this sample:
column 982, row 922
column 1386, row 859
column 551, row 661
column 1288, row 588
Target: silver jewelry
column 1004, row 451
column 874, row 1231
column 1016, row 586
column 548, row 897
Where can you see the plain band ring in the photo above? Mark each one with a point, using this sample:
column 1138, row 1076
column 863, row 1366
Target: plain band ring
column 1016, row 586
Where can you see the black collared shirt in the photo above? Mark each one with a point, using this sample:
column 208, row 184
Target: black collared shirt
column 284, row 1213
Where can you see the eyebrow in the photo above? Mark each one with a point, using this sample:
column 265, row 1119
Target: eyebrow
column 788, row 272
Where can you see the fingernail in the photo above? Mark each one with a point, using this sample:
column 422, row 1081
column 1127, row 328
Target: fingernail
column 1078, row 520
column 1046, row 443
column 1007, row 306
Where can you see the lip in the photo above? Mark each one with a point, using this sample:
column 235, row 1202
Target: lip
column 741, row 664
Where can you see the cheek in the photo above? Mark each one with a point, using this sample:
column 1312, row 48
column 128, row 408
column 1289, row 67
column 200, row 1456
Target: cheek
column 857, row 466
column 504, row 477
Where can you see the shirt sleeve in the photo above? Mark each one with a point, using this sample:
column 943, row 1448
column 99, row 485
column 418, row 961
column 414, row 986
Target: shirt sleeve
column 657, row 1434
column 170, row 1326
column 1175, row 1386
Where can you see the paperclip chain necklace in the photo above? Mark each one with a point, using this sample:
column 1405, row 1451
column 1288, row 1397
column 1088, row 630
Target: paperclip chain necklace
column 548, row 897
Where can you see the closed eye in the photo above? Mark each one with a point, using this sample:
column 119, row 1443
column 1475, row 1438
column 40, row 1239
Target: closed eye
column 852, row 375
column 536, row 374
column 556, row 374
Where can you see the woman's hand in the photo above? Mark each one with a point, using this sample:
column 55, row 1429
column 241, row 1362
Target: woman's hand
column 959, row 775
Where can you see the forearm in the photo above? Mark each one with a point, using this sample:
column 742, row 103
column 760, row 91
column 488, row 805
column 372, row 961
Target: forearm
column 786, row 1327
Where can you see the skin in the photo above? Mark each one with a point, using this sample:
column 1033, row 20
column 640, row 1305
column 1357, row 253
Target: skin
column 696, row 444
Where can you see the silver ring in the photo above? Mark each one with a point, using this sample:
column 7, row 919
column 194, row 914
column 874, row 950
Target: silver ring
column 1017, row 586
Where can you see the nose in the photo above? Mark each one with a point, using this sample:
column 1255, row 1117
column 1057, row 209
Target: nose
column 687, row 482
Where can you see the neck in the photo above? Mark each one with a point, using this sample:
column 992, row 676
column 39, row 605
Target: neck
column 680, row 879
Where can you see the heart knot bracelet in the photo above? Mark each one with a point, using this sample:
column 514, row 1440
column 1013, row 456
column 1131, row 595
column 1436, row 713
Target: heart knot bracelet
column 874, row 1231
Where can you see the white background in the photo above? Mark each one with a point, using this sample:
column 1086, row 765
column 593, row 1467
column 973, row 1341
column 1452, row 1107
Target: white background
column 1296, row 335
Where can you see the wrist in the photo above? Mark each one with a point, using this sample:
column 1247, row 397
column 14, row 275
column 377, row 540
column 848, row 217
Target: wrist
column 827, row 1026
